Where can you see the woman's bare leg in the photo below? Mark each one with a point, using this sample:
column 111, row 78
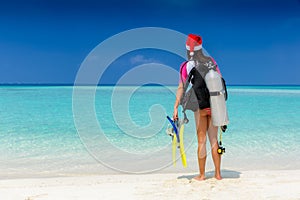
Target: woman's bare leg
column 213, row 139
column 201, row 124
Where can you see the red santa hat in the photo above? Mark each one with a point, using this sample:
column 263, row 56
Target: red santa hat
column 193, row 43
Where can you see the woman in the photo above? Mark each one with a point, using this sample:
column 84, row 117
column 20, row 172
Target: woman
column 198, row 67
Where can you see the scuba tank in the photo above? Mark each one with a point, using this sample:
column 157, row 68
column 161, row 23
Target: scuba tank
column 217, row 97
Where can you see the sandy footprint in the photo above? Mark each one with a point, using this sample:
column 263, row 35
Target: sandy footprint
column 35, row 196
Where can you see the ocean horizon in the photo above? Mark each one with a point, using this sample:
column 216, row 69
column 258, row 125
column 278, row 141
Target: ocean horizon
column 111, row 84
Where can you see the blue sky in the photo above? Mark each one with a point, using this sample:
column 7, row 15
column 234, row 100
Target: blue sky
column 253, row 42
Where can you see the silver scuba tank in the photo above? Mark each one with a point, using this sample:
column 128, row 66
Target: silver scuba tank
column 217, row 99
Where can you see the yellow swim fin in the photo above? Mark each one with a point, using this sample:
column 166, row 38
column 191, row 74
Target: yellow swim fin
column 174, row 145
column 182, row 152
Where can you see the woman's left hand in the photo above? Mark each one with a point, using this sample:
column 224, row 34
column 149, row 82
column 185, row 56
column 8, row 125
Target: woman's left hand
column 175, row 114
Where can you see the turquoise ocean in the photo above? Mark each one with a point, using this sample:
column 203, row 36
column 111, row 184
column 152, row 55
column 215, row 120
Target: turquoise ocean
column 41, row 136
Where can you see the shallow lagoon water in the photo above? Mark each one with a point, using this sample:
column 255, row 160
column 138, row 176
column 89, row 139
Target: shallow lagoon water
column 38, row 135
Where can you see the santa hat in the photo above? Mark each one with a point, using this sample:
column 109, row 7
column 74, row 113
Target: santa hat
column 193, row 43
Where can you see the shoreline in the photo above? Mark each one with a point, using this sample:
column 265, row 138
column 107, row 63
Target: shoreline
column 262, row 184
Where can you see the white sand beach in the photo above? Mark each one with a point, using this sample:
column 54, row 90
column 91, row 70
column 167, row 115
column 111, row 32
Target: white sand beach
column 283, row 184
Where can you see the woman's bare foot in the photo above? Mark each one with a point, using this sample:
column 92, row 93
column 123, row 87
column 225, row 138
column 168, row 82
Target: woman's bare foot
column 199, row 178
column 218, row 177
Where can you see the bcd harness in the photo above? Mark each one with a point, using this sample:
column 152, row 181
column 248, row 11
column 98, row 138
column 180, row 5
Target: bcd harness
column 198, row 96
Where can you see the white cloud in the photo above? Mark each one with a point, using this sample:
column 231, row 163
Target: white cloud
column 140, row 59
